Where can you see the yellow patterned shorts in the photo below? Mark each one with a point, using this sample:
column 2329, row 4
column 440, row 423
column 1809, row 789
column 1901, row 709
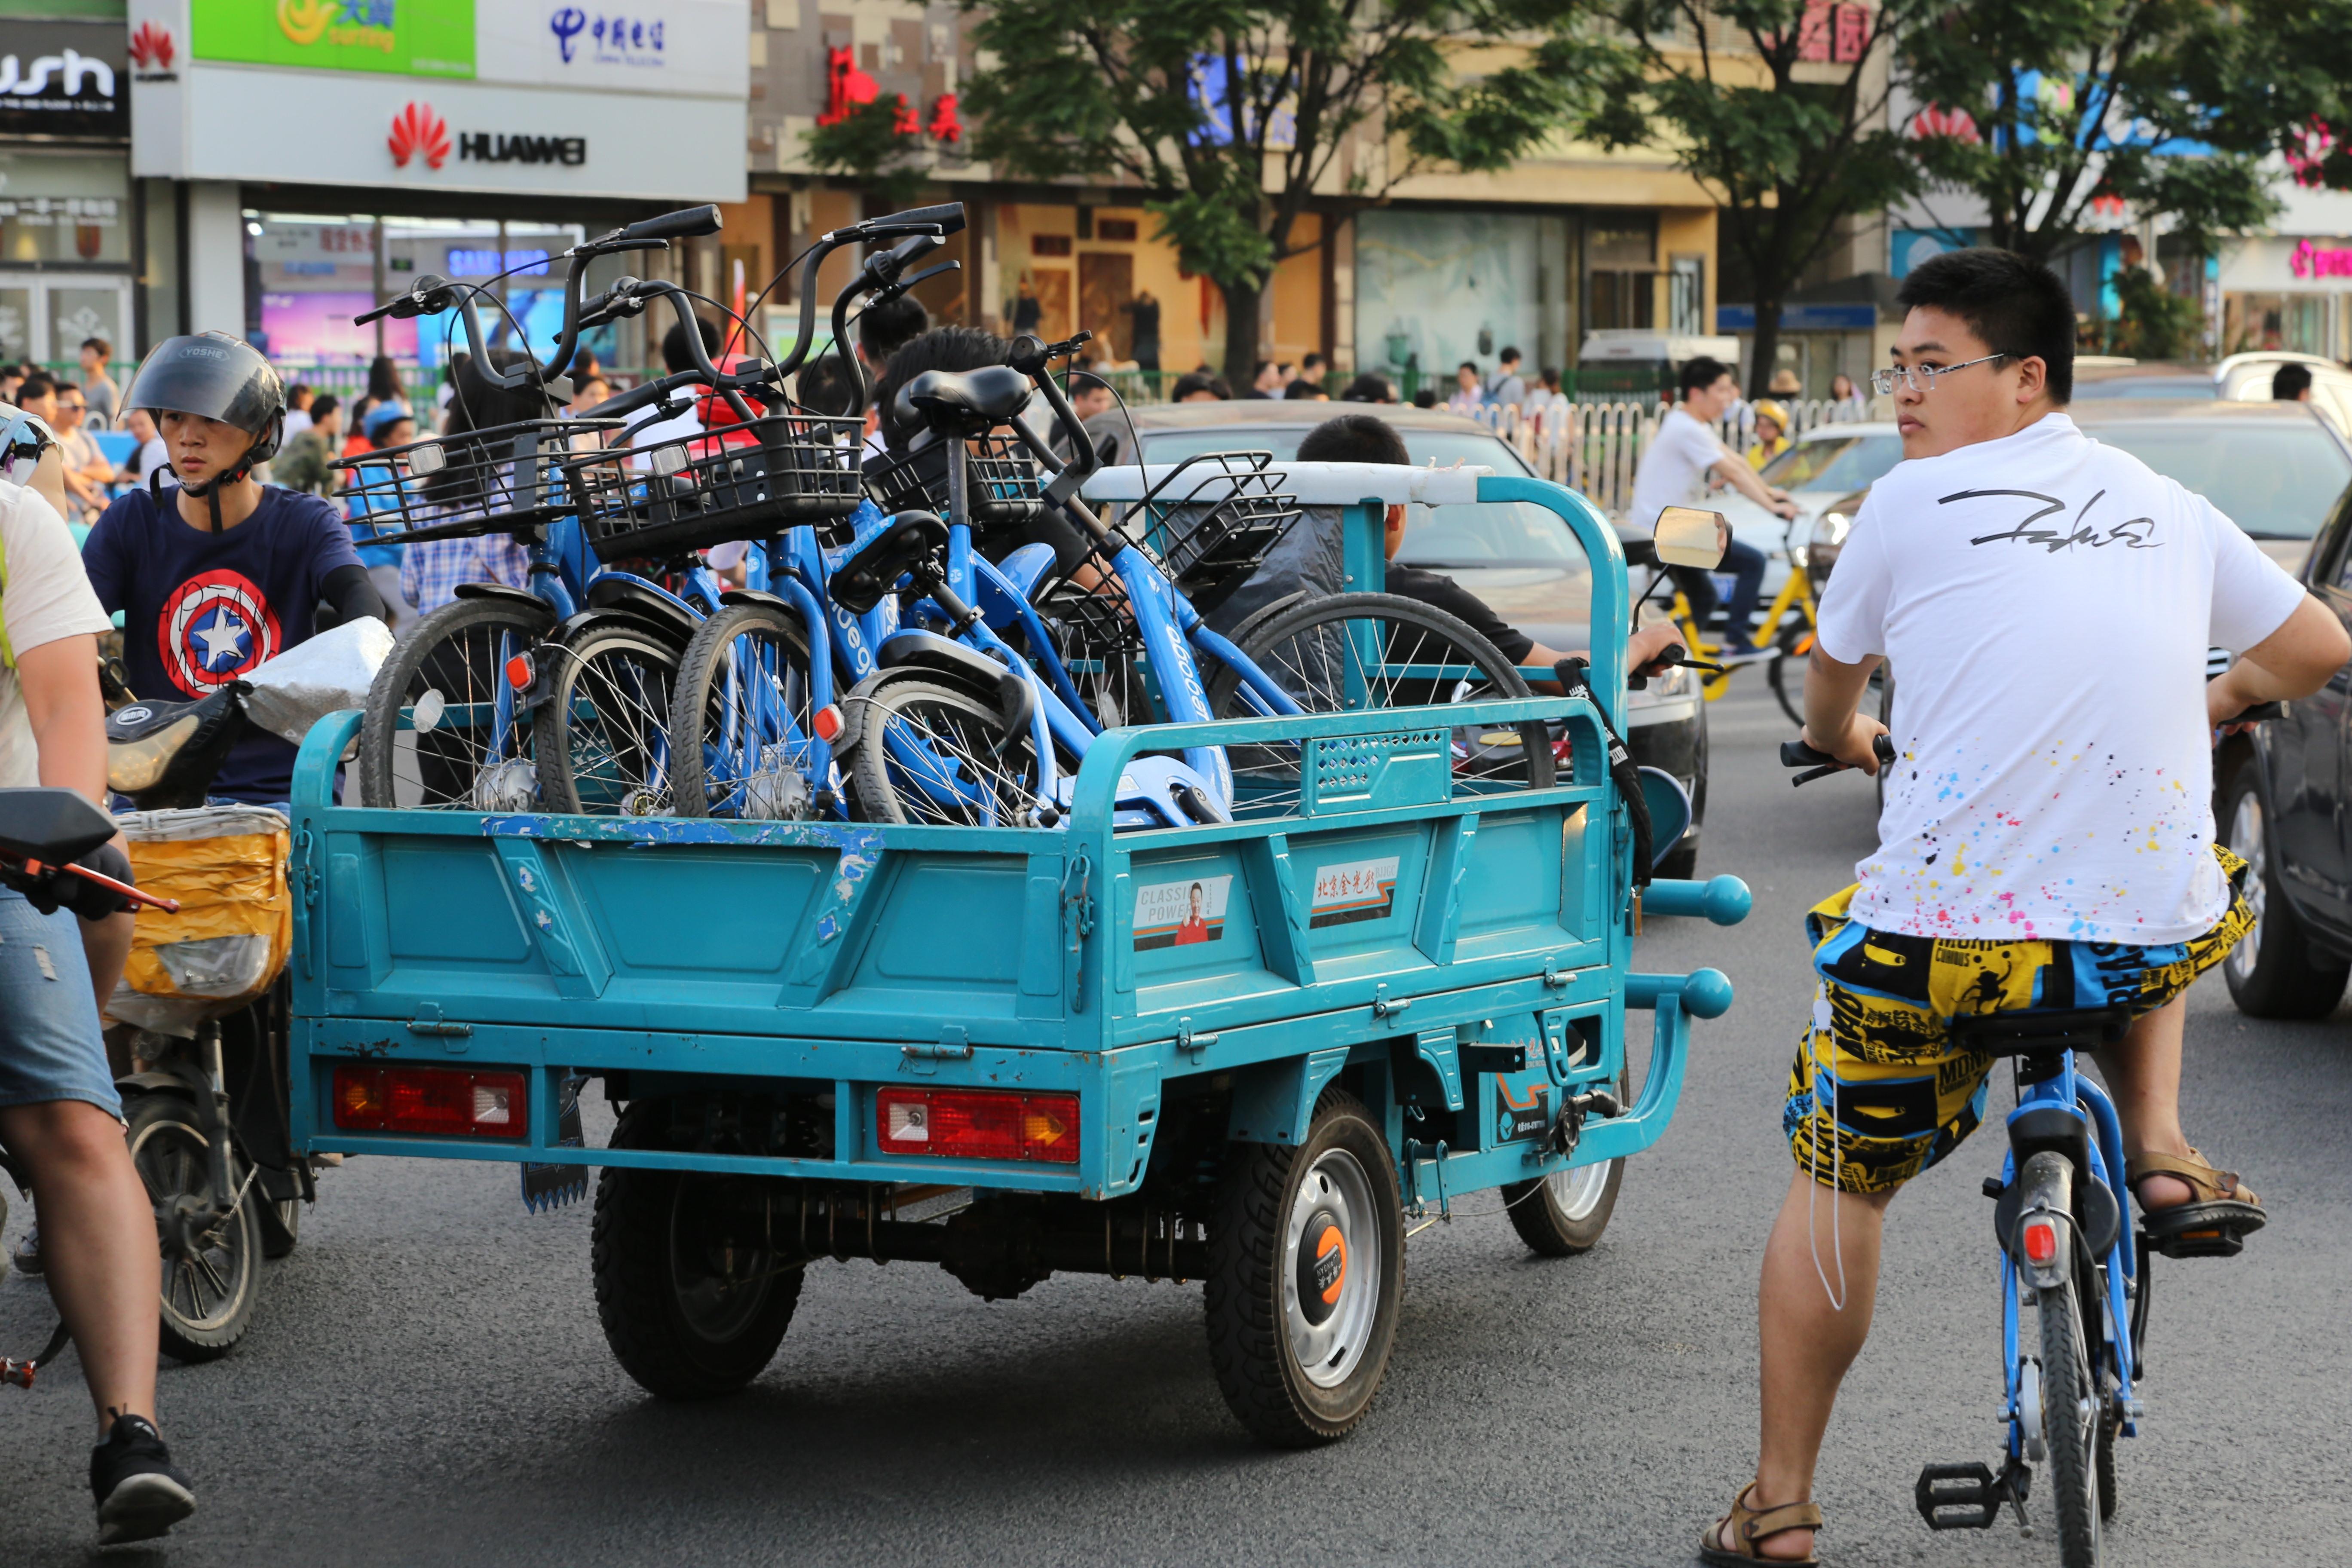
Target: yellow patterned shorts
column 1879, row 1091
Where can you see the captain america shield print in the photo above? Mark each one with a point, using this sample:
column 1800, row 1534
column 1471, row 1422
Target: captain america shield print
column 214, row 627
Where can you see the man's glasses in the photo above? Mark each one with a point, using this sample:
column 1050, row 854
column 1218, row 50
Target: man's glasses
column 1920, row 378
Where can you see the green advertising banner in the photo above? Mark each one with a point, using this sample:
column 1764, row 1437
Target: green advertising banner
column 401, row 37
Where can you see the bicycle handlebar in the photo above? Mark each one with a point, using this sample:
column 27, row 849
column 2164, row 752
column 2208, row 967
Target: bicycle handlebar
column 687, row 223
column 1820, row 764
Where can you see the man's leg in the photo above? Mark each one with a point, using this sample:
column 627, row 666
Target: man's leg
column 1807, row 1342
column 98, row 1239
column 1745, row 563
column 2143, row 1074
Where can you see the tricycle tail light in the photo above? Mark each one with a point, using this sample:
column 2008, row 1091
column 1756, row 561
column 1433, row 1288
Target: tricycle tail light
column 447, row 1103
column 978, row 1124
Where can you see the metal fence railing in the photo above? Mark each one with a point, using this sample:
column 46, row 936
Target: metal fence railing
column 1595, row 447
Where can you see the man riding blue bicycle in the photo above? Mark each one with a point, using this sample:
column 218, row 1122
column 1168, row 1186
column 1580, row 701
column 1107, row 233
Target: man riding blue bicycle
column 2046, row 843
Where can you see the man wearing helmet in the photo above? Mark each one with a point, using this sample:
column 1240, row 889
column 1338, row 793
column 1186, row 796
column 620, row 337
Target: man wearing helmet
column 223, row 572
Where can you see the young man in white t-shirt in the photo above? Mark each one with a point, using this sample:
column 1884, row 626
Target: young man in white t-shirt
column 1685, row 452
column 2047, row 840
column 59, row 1114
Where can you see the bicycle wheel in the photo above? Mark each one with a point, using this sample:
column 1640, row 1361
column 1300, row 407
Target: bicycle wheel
column 463, row 755
column 2070, row 1424
column 212, row 1260
column 1355, row 651
column 929, row 753
column 1786, row 673
column 739, row 721
column 602, row 727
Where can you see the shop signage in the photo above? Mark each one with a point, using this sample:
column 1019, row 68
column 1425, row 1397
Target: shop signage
column 419, row 132
column 400, row 37
column 2311, row 260
column 152, row 53
column 627, row 45
column 65, row 79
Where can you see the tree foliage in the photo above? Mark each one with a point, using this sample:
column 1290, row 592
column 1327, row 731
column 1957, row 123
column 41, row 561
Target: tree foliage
column 1788, row 143
column 2170, row 105
column 1236, row 116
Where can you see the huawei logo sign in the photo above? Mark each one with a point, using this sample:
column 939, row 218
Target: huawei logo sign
column 151, row 48
column 418, row 133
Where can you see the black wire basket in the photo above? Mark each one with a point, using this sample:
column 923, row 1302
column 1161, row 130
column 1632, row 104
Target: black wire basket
column 747, row 480
column 504, row 479
column 1211, row 521
column 1004, row 486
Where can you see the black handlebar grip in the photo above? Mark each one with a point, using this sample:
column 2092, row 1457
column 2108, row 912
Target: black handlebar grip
column 685, row 224
column 1797, row 755
column 948, row 215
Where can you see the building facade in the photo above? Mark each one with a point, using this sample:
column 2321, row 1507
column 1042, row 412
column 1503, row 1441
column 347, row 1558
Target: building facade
column 71, row 220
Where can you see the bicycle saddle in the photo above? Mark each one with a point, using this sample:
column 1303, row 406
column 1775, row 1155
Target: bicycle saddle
column 53, row 825
column 2035, row 1033
column 859, row 582
column 164, row 756
column 968, row 401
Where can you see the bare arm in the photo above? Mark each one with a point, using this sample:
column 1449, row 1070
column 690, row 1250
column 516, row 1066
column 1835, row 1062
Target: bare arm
column 1833, row 722
column 2293, row 661
column 68, row 717
column 1733, row 470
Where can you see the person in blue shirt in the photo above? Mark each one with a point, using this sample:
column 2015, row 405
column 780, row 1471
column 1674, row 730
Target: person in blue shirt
column 221, row 573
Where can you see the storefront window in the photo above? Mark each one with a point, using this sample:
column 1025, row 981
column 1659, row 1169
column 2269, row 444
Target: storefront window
column 2296, row 322
column 64, row 207
column 318, row 270
column 1436, row 287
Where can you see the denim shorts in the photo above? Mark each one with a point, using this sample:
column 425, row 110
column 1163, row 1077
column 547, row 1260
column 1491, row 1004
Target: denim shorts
column 1881, row 1089
column 49, row 1043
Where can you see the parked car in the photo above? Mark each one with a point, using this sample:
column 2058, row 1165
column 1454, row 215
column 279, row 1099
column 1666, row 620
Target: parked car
column 1823, row 466
column 1521, row 560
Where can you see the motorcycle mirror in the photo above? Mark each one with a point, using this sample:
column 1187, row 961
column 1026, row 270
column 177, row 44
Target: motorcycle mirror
column 1685, row 536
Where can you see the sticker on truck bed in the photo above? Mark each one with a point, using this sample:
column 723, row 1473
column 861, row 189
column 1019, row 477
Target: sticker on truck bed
column 1353, row 890
column 1178, row 914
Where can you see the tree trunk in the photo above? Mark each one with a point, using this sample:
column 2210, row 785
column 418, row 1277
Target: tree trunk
column 1242, row 297
column 1766, row 349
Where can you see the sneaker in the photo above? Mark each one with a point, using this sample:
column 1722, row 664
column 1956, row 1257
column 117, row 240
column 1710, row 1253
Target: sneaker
column 140, row 1493
column 27, row 1256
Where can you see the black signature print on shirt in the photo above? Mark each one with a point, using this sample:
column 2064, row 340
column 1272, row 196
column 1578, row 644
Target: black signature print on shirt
column 2134, row 534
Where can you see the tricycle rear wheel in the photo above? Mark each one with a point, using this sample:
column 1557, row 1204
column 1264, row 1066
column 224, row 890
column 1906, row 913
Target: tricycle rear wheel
column 1307, row 1272
column 693, row 1297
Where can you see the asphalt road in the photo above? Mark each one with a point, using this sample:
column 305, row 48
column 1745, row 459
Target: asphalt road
column 426, row 1383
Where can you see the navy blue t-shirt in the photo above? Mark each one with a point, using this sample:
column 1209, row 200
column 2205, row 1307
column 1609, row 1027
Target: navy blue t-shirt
column 200, row 610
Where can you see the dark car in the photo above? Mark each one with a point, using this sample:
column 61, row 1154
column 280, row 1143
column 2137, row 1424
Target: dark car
column 1521, row 559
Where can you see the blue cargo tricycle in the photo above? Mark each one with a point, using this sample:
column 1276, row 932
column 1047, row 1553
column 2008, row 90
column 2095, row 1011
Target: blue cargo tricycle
column 1240, row 1052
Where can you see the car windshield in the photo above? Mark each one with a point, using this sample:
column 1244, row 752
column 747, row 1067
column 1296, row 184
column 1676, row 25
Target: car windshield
column 1840, row 463
column 2275, row 480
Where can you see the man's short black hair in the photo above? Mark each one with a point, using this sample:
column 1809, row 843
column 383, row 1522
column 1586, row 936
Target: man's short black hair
column 676, row 355
column 1260, row 368
column 2018, row 308
column 1508, row 356
column 1368, row 387
column 1194, row 381
column 1425, row 398
column 323, row 406
column 887, row 328
column 1469, row 364
column 1302, row 390
column 821, row 387
column 2289, row 382
column 1313, row 362
column 1696, row 374
column 1354, row 438
column 941, row 348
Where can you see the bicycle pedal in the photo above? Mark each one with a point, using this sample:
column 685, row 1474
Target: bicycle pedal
column 1958, row 1497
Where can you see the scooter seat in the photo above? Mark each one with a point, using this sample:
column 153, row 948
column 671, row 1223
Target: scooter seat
column 859, row 584
column 968, row 401
column 165, row 755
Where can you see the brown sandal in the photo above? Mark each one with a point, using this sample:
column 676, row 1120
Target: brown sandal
column 1745, row 1527
column 2214, row 1223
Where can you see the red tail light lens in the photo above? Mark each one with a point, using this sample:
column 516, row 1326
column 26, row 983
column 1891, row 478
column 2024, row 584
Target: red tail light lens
column 978, row 1124
column 520, row 672
column 447, row 1103
column 2040, row 1241
column 828, row 721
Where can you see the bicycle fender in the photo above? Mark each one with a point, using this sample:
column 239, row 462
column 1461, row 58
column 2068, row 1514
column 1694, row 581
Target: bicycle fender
column 500, row 591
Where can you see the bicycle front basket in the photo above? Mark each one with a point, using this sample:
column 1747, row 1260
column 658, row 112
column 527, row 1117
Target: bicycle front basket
column 1212, row 521
column 1004, row 488
column 504, row 479
column 749, row 481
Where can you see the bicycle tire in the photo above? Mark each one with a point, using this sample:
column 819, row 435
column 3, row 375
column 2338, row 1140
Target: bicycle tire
column 717, row 676
column 436, row 657
column 1564, row 1214
column 602, row 723
column 208, row 1289
column 1302, row 651
column 962, row 734
column 2071, row 1414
